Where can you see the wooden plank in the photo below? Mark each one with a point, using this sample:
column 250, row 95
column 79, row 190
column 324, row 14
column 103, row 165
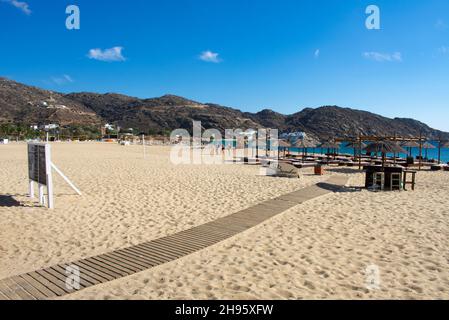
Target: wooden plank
column 3, row 296
column 227, row 228
column 185, row 244
column 197, row 238
column 106, row 272
column 227, row 225
column 217, row 230
column 36, row 294
column 206, row 233
column 118, row 261
column 140, row 257
column 94, row 271
column 148, row 248
column 54, row 288
column 154, row 258
column 117, row 269
column 39, row 286
column 61, row 275
column 10, row 290
column 235, row 220
column 86, row 280
column 157, row 249
column 173, row 247
column 55, row 281
column 135, row 263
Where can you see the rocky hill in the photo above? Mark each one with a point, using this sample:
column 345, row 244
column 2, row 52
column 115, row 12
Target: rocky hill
column 162, row 114
column 24, row 104
column 331, row 121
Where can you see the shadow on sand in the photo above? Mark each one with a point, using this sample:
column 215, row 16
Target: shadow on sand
column 353, row 170
column 9, row 201
column 338, row 188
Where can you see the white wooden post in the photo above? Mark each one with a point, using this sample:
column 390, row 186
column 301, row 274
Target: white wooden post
column 31, row 189
column 52, row 165
column 50, row 198
column 144, row 148
column 41, row 195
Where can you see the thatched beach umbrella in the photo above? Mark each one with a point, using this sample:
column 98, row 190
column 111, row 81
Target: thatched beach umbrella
column 409, row 145
column 385, row 147
column 304, row 145
column 356, row 145
column 284, row 144
column 330, row 145
column 427, row 146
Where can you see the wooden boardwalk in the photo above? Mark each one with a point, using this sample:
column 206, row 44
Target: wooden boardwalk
column 51, row 282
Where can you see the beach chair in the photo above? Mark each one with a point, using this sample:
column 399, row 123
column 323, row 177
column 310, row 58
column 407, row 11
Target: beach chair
column 287, row 170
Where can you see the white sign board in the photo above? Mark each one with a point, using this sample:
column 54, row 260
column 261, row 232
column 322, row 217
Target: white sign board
column 39, row 171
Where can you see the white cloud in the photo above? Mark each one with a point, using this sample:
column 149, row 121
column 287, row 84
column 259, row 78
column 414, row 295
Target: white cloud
column 108, row 55
column 64, row 79
column 443, row 50
column 210, row 56
column 440, row 24
column 383, row 57
column 23, row 6
column 317, row 53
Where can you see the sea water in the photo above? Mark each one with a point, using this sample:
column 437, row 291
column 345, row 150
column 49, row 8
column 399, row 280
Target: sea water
column 431, row 153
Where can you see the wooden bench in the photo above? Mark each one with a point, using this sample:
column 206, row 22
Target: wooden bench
column 412, row 182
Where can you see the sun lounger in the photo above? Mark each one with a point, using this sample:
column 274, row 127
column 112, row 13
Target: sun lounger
column 287, row 170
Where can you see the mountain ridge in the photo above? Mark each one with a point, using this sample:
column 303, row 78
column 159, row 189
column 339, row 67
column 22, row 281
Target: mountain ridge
column 32, row 105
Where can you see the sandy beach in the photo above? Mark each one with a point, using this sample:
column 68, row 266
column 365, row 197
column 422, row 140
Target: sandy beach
column 316, row 250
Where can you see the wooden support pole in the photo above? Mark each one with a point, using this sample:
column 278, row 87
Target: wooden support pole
column 360, row 152
column 420, row 151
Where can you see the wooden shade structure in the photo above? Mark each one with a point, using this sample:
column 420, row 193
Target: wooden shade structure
column 359, row 140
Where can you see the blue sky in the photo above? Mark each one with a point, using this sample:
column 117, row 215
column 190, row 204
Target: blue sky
column 251, row 55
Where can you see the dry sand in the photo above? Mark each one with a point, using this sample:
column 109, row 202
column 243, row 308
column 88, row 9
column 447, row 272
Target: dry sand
column 126, row 201
column 319, row 249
